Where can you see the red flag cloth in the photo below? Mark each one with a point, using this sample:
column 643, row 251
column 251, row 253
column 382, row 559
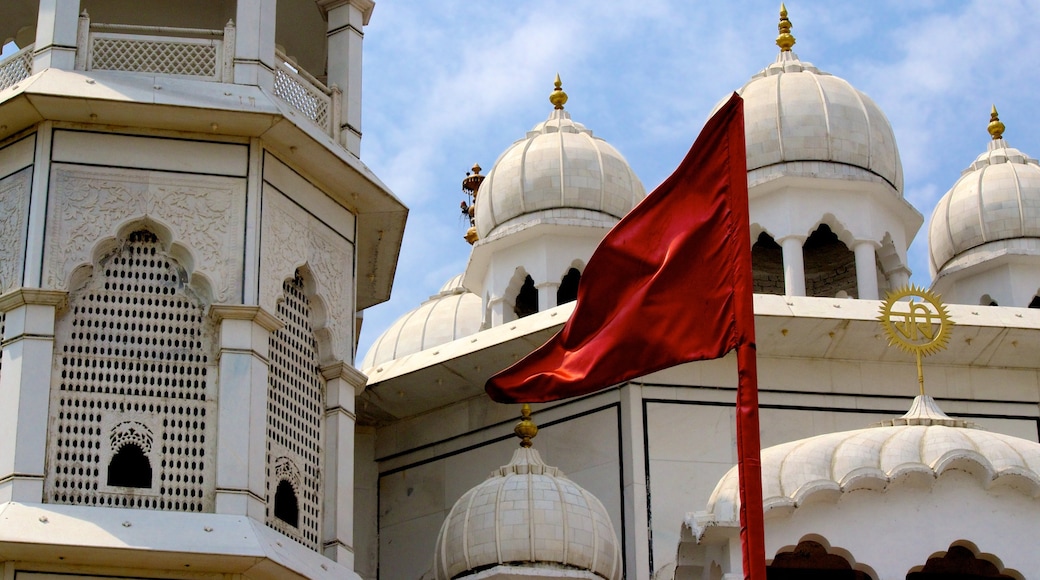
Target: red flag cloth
column 671, row 283
column 664, row 285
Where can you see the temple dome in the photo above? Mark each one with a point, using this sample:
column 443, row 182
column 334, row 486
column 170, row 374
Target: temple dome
column 450, row 314
column 795, row 113
column 527, row 514
column 923, row 443
column 996, row 199
column 559, row 173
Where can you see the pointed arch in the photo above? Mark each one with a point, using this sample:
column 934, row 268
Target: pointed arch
column 830, row 266
column 521, row 296
column 963, row 561
column 813, row 558
column 767, row 265
column 568, row 290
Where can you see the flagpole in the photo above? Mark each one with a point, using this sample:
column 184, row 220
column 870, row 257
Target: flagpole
column 749, row 465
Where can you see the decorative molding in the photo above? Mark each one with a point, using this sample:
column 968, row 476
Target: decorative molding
column 14, row 214
column 23, row 296
column 265, row 319
column 206, row 214
column 291, row 238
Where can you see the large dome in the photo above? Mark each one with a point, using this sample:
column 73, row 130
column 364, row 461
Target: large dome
column 528, row 514
column 452, row 313
column 559, row 173
column 924, row 442
column 997, row 198
column 793, row 113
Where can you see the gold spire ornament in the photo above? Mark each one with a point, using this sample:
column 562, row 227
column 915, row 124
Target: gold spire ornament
column 525, row 429
column 920, row 326
column 995, row 127
column 558, row 98
column 785, row 41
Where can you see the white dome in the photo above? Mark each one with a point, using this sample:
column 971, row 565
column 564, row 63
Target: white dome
column 996, row 198
column 793, row 112
column 559, row 174
column 452, row 313
column 924, row 442
column 527, row 514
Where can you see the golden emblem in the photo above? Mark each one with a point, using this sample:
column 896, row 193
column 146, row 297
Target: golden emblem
column 920, row 325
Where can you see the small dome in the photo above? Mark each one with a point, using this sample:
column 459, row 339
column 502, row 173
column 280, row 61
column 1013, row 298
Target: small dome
column 452, row 313
column 794, row 112
column 925, row 441
column 559, row 173
column 996, row 198
column 527, row 514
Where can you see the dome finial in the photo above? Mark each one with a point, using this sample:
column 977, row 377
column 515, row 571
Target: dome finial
column 525, row 429
column 558, row 98
column 785, row 41
column 995, row 128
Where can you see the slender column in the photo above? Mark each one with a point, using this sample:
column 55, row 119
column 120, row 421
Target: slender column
column 347, row 19
column 245, row 333
column 342, row 384
column 28, row 357
column 866, row 270
column 254, row 43
column 794, row 265
column 899, row 277
column 497, row 311
column 633, row 483
column 547, row 295
column 56, row 28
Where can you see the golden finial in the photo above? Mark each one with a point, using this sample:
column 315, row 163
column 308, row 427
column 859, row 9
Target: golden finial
column 525, row 429
column 920, row 326
column 995, row 128
column 785, row 41
column 558, row 98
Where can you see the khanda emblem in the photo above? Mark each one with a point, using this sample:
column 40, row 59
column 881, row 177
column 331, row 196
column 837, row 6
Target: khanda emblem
column 916, row 321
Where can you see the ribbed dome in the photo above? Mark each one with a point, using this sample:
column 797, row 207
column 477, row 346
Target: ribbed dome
column 996, row 198
column 527, row 514
column 794, row 112
column 559, row 173
column 925, row 441
column 452, row 313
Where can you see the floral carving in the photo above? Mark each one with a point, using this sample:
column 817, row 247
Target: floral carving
column 14, row 213
column 292, row 238
column 206, row 214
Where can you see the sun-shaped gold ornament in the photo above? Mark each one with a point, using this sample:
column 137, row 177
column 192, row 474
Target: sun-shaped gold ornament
column 920, row 325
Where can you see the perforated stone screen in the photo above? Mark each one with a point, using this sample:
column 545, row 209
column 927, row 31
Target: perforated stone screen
column 132, row 368
column 295, row 412
column 155, row 55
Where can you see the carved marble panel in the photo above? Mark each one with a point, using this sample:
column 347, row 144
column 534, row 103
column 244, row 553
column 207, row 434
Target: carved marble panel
column 14, row 215
column 291, row 238
column 205, row 214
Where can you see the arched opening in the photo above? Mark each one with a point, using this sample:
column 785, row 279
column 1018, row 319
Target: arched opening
column 767, row 265
column 810, row 561
column 568, row 291
column 959, row 563
column 987, row 300
column 130, row 468
column 830, row 266
column 1035, row 302
column 527, row 299
column 286, row 507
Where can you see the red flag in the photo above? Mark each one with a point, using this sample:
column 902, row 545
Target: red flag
column 670, row 283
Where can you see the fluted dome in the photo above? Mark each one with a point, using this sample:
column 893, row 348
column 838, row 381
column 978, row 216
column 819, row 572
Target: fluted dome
column 996, row 198
column 527, row 514
column 793, row 112
column 559, row 174
column 452, row 313
column 924, row 442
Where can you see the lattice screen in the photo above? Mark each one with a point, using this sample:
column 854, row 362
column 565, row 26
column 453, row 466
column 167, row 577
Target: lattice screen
column 16, row 68
column 162, row 56
column 295, row 411
column 303, row 97
column 132, row 353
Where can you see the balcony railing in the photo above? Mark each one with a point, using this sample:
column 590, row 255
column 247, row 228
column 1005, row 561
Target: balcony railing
column 16, row 67
column 191, row 53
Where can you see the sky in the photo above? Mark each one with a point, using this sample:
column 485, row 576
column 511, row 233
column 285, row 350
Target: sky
column 454, row 82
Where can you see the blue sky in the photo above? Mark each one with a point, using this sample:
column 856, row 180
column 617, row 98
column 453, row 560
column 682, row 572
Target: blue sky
column 454, row 82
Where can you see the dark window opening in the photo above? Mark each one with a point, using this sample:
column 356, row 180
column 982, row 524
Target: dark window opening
column 527, row 299
column 958, row 564
column 1035, row 302
column 810, row 561
column 568, row 291
column 130, row 468
column 286, row 508
column 767, row 266
column 830, row 267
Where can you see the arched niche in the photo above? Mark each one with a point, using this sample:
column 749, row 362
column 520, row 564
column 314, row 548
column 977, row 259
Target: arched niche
column 830, row 266
column 963, row 561
column 813, row 559
column 767, row 265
